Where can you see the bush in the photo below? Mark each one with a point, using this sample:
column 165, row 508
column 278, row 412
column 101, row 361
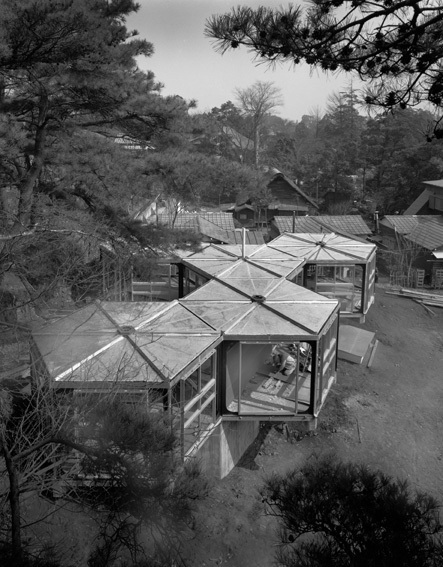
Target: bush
column 342, row 514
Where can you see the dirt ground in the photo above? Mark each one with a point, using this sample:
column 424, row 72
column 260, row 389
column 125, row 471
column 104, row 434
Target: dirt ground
column 389, row 416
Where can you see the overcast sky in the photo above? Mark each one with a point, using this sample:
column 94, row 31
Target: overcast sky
column 186, row 63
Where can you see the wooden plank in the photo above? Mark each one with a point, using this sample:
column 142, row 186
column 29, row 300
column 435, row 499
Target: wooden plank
column 421, row 294
column 433, row 303
column 424, row 307
column 372, row 356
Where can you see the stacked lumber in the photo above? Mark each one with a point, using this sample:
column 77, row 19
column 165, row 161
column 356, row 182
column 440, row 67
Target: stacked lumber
column 421, row 297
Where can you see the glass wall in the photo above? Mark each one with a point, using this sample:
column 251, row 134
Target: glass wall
column 344, row 283
column 193, row 404
column 268, row 379
column 192, row 281
column 326, row 362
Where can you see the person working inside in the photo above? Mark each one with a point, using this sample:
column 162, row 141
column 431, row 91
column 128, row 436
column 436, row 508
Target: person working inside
column 284, row 361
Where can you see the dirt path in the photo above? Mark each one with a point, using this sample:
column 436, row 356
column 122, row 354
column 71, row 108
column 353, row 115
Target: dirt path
column 389, row 416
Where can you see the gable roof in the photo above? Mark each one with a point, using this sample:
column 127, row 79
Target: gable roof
column 276, row 174
column 427, row 235
column 420, row 203
column 404, row 224
column 423, row 230
column 437, row 183
column 238, row 140
column 349, row 224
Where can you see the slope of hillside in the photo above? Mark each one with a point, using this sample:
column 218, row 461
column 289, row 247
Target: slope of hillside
column 388, row 416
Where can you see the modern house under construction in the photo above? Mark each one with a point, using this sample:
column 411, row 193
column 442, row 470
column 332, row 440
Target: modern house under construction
column 208, row 358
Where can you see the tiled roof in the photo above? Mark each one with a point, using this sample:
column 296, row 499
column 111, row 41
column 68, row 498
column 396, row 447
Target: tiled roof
column 351, row 224
column 404, row 224
column 299, row 224
column 429, row 235
column 190, row 220
column 423, row 230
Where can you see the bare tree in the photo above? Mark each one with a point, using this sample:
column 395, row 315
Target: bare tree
column 395, row 45
column 256, row 102
column 114, row 457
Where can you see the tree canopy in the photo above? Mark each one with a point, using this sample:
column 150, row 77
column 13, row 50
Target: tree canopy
column 396, row 44
column 66, row 66
column 343, row 514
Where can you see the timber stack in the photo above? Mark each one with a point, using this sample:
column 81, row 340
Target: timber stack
column 427, row 300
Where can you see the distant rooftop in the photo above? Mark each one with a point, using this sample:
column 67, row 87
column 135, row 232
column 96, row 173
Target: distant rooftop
column 350, row 224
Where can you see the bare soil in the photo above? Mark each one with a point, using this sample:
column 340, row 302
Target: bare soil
column 388, row 416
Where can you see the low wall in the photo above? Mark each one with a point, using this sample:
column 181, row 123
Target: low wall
column 225, row 446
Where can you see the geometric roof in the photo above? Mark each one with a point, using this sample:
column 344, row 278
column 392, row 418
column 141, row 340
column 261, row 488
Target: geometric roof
column 324, row 248
column 140, row 341
column 250, row 295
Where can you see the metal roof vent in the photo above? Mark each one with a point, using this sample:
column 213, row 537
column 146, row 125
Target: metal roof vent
column 126, row 330
column 258, row 298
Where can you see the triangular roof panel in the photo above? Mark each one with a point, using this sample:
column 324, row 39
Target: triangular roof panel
column 172, row 354
column 288, row 291
column 118, row 364
column 264, row 323
column 237, row 249
column 211, row 252
column 310, row 316
column 279, row 267
column 177, row 319
column 71, row 339
column 215, row 291
column 219, row 315
column 211, row 267
column 134, row 313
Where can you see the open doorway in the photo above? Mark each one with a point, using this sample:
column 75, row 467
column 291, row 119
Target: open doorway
column 268, row 378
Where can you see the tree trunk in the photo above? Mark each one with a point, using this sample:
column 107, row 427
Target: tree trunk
column 256, row 144
column 27, row 184
column 14, row 503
